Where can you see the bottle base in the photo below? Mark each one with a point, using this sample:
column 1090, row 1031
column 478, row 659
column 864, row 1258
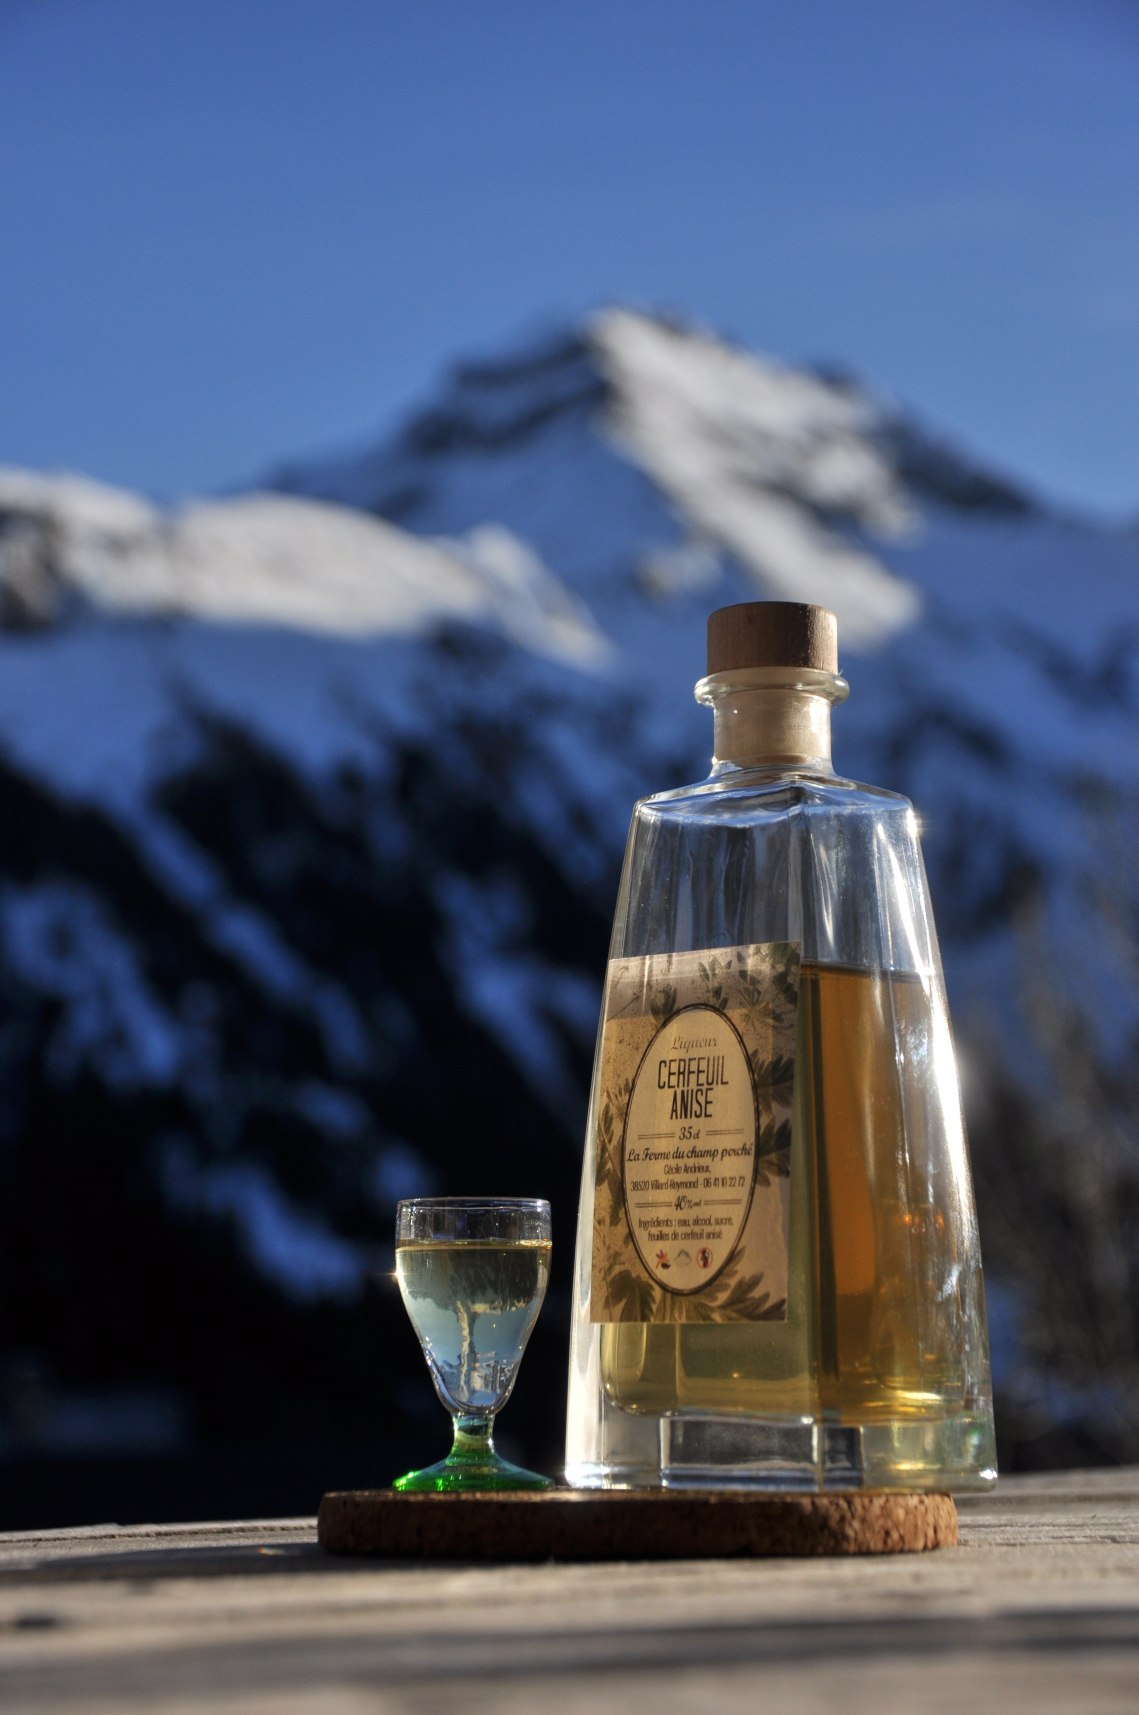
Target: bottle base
column 804, row 1456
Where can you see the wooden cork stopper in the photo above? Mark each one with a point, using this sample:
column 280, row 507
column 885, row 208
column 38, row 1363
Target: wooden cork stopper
column 772, row 634
column 582, row 1524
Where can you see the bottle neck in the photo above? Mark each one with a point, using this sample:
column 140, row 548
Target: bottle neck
column 772, row 717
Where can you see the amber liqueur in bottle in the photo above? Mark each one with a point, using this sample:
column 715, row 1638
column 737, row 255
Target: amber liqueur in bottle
column 778, row 1279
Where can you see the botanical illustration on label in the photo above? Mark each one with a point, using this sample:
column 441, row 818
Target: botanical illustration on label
column 694, row 1100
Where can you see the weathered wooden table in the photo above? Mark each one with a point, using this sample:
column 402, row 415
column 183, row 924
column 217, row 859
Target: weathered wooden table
column 1037, row 1610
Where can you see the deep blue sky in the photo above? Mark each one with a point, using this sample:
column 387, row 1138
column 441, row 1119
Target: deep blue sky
column 234, row 230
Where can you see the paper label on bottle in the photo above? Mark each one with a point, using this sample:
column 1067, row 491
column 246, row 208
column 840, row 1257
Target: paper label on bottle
column 694, row 1098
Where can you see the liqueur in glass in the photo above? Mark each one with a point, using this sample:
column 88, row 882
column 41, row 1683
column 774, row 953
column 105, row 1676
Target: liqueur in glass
column 472, row 1272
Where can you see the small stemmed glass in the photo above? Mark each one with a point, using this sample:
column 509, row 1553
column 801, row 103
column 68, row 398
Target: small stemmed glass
column 473, row 1273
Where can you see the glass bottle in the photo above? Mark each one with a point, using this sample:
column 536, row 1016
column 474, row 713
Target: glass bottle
column 778, row 1279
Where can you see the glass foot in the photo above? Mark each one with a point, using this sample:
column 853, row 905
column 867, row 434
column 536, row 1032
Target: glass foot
column 473, row 1463
column 451, row 1475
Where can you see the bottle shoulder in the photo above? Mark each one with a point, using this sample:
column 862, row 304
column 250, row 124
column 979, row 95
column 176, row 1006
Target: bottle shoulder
column 742, row 792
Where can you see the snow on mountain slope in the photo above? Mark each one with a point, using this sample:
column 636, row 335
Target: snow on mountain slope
column 750, row 456
column 661, row 472
column 250, row 559
column 992, row 645
column 638, row 451
column 298, row 619
column 281, row 646
column 589, row 501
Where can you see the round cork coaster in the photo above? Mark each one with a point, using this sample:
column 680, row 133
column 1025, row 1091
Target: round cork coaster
column 583, row 1524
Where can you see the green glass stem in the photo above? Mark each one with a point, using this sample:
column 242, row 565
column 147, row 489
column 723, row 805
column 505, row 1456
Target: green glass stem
column 473, row 1446
column 472, row 1463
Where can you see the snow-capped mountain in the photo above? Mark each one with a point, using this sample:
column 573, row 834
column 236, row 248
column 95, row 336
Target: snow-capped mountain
column 992, row 644
column 315, row 802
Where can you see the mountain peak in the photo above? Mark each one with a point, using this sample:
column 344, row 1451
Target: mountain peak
column 770, row 463
column 639, row 447
column 846, row 451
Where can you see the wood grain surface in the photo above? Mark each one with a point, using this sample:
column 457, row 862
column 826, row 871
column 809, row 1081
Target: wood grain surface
column 1037, row 1610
